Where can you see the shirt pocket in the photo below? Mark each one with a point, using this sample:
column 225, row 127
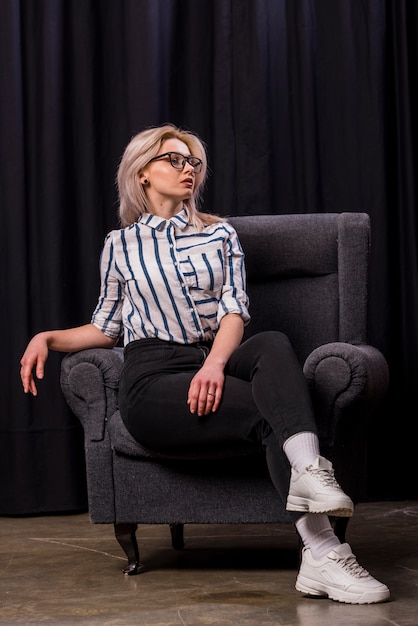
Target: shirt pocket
column 203, row 272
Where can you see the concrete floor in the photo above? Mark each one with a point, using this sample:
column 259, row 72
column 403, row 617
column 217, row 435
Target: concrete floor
column 62, row 570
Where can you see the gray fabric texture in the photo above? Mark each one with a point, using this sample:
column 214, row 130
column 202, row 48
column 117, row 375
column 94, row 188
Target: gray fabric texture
column 308, row 277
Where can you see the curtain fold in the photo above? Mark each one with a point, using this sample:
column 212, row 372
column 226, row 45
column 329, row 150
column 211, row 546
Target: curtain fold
column 305, row 106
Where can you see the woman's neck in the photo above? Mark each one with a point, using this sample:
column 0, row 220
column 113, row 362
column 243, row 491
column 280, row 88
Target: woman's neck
column 166, row 210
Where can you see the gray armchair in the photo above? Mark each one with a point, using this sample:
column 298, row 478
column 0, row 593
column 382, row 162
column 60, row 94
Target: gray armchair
column 308, row 277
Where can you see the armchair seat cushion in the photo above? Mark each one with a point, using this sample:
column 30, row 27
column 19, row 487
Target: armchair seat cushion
column 123, row 443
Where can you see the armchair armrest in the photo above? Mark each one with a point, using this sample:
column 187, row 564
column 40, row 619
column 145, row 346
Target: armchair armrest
column 90, row 381
column 344, row 376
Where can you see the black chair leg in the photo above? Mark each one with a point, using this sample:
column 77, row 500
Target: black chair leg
column 125, row 534
column 177, row 536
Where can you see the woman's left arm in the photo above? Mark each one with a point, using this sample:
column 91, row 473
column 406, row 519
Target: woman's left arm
column 205, row 391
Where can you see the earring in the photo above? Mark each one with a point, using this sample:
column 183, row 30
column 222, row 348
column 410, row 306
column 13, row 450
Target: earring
column 145, row 181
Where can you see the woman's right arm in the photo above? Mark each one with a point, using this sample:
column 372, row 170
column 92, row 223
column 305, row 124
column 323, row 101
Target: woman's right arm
column 70, row 340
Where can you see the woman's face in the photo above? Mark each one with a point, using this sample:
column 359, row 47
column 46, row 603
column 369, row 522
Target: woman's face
column 165, row 182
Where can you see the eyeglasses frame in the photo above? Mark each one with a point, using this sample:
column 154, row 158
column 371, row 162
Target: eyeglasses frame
column 185, row 158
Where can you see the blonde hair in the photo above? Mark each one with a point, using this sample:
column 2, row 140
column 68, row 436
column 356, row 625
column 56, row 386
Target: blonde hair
column 144, row 146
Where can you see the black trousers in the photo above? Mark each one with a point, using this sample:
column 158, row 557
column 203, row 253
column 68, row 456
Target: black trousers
column 265, row 399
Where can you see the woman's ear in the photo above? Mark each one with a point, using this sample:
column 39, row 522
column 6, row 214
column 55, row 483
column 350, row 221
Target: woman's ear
column 143, row 179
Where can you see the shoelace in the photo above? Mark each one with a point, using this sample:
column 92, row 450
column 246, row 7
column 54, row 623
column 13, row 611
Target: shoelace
column 350, row 565
column 326, row 477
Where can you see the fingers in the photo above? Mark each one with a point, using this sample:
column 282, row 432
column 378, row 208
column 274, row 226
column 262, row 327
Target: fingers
column 33, row 362
column 28, row 380
column 39, row 371
column 205, row 391
column 214, row 401
column 26, row 375
column 205, row 401
column 205, row 404
column 32, row 387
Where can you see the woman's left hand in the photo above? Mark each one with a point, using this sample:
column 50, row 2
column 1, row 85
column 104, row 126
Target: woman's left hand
column 205, row 391
column 206, row 388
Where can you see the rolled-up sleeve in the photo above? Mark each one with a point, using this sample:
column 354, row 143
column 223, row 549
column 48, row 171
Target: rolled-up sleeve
column 107, row 315
column 234, row 298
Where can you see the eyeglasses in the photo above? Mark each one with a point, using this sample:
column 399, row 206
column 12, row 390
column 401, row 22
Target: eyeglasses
column 178, row 161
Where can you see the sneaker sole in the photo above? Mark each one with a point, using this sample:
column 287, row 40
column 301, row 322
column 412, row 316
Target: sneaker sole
column 303, row 505
column 339, row 595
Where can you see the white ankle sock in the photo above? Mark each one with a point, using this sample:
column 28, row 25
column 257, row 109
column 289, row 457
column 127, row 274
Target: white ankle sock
column 301, row 450
column 317, row 534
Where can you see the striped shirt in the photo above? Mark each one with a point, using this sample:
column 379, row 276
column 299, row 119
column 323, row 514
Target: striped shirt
column 165, row 279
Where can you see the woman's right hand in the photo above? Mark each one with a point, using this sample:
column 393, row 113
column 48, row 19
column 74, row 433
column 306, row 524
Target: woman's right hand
column 33, row 361
column 69, row 340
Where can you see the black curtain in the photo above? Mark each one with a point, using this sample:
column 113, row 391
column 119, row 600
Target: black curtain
column 305, row 106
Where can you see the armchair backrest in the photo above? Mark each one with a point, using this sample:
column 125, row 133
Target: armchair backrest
column 307, row 276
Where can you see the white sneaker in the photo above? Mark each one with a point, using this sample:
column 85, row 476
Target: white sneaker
column 339, row 577
column 315, row 490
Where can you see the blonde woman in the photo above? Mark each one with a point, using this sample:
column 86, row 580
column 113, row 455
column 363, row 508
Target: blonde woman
column 173, row 286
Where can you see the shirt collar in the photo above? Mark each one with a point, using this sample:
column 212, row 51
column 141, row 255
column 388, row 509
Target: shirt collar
column 180, row 220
